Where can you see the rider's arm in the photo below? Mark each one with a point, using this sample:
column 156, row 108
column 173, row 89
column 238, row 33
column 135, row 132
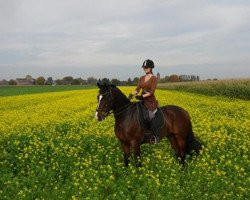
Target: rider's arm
column 138, row 88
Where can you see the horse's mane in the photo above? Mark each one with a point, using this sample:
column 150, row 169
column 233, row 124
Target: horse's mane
column 118, row 95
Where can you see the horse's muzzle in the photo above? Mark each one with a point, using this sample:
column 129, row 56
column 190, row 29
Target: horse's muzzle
column 99, row 117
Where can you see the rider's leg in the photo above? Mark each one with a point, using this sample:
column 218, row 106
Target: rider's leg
column 152, row 125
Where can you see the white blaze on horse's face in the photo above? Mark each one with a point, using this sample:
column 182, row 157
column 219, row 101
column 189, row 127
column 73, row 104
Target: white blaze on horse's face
column 96, row 113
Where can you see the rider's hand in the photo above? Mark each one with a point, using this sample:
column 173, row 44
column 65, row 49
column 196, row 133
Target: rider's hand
column 139, row 97
column 130, row 96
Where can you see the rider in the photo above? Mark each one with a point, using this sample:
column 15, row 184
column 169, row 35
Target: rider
column 148, row 84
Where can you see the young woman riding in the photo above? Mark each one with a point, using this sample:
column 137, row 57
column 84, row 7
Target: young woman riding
column 147, row 84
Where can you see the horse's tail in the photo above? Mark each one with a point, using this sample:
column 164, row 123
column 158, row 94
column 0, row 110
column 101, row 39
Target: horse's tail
column 191, row 142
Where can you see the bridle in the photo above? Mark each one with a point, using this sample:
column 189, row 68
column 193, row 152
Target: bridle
column 117, row 112
column 100, row 112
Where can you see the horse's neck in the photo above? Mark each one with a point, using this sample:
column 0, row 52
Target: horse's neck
column 120, row 101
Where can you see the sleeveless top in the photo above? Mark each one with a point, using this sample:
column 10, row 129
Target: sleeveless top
column 148, row 86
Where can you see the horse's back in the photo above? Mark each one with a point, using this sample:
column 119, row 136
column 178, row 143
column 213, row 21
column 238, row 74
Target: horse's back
column 174, row 109
column 176, row 116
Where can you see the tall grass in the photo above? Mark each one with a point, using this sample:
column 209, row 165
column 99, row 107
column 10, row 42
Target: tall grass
column 239, row 88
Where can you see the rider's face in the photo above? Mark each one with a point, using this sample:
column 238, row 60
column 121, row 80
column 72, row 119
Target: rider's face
column 147, row 69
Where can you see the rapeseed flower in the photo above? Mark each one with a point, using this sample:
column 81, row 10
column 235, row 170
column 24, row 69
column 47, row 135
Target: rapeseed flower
column 52, row 145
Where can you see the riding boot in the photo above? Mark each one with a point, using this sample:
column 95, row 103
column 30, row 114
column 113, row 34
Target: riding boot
column 155, row 132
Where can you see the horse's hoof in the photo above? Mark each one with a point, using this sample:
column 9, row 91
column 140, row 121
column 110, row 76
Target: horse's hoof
column 138, row 165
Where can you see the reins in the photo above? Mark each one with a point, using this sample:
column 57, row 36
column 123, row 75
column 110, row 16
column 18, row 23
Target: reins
column 125, row 107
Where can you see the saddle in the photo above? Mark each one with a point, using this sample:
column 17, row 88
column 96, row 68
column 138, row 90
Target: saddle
column 143, row 117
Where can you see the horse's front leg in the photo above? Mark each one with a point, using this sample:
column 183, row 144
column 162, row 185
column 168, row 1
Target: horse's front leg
column 126, row 153
column 137, row 153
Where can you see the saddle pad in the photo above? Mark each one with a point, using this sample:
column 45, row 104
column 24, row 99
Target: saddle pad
column 143, row 118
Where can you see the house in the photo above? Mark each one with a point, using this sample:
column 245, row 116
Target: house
column 49, row 81
column 4, row 82
column 158, row 76
column 28, row 80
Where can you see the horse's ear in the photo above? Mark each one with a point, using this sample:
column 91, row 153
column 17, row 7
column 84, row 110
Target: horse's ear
column 99, row 84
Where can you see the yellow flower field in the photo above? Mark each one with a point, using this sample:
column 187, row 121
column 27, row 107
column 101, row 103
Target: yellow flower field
column 51, row 147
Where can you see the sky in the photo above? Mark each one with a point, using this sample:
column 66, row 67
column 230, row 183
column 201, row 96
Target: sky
column 112, row 38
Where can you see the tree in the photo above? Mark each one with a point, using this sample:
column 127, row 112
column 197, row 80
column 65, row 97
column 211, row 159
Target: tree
column 91, row 81
column 59, row 81
column 12, row 82
column 193, row 78
column 40, row 80
column 76, row 81
column 67, row 80
column 129, row 81
column 165, row 79
column 136, row 80
column 174, row 78
column 29, row 78
column 115, row 81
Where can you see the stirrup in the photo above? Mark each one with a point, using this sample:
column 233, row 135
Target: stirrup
column 154, row 140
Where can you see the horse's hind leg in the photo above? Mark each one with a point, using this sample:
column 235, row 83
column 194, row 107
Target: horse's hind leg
column 126, row 153
column 174, row 143
column 182, row 147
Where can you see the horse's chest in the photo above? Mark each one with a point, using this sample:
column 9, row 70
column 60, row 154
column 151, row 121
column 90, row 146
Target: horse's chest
column 118, row 129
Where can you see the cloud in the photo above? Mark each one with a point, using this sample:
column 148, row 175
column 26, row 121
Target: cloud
column 68, row 36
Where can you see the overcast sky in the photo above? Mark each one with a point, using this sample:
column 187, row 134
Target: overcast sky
column 112, row 38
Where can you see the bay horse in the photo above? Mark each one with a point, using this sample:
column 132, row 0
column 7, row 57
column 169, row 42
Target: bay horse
column 177, row 127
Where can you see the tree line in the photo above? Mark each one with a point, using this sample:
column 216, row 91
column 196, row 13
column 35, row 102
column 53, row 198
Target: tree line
column 69, row 80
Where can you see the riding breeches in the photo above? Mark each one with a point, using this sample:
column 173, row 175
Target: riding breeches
column 151, row 114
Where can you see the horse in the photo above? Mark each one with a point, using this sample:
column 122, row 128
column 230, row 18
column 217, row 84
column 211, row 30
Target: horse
column 177, row 127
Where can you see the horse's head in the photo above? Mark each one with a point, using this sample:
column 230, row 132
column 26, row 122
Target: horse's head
column 105, row 101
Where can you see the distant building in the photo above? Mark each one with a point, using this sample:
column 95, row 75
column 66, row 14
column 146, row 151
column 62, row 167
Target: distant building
column 49, row 81
column 84, row 82
column 158, row 76
column 28, row 80
column 4, row 82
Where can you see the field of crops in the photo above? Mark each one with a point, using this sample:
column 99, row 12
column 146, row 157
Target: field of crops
column 33, row 89
column 51, row 147
column 238, row 88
